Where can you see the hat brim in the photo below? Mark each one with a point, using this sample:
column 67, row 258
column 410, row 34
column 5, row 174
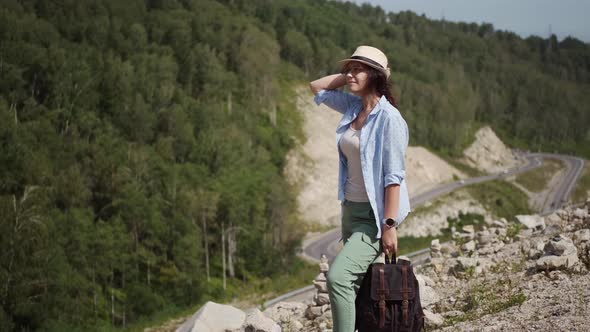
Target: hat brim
column 381, row 69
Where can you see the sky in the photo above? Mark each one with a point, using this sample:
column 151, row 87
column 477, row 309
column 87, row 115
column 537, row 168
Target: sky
column 524, row 17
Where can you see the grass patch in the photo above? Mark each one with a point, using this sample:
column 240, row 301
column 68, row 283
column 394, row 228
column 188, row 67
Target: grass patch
column 409, row 244
column 426, row 208
column 537, row 179
column 501, row 198
column 477, row 220
column 484, row 299
column 580, row 193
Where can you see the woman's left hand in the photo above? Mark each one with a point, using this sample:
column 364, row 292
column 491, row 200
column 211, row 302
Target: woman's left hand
column 389, row 241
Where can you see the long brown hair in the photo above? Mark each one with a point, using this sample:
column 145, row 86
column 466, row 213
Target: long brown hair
column 379, row 83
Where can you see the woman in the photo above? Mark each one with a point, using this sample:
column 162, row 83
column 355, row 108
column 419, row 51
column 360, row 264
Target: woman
column 372, row 138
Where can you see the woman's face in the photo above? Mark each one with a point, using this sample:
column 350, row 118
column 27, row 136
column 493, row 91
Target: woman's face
column 357, row 77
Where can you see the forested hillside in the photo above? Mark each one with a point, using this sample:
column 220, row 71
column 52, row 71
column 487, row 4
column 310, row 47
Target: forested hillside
column 142, row 143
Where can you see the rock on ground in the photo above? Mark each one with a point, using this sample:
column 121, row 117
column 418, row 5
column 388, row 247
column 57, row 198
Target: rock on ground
column 214, row 317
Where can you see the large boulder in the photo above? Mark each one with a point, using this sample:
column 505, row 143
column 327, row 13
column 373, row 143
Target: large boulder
column 214, row 317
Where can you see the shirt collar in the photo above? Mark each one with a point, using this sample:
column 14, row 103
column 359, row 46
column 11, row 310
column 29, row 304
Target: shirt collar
column 381, row 104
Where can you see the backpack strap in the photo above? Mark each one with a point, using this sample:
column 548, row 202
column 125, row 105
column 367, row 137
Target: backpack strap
column 405, row 290
column 382, row 291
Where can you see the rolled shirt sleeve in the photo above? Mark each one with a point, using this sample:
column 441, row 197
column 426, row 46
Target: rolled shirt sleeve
column 395, row 142
column 337, row 100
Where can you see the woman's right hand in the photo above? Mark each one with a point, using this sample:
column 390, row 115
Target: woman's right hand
column 389, row 241
column 329, row 82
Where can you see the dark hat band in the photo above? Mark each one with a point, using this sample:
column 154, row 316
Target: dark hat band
column 373, row 62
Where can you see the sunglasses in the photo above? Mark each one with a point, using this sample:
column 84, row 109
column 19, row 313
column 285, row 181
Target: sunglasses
column 353, row 69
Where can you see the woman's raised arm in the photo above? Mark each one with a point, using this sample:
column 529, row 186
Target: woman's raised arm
column 329, row 82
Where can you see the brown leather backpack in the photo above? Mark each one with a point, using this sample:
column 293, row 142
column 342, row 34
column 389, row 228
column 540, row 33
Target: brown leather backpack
column 389, row 299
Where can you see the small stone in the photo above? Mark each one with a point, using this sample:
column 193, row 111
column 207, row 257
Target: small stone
column 538, row 245
column 464, row 263
column 296, row 325
column 499, row 224
column 534, row 254
column 320, row 277
column 435, row 244
column 483, row 238
column 560, row 245
column 468, row 229
column 322, row 299
column 432, row 320
column 583, row 235
column 552, row 219
column 533, row 222
column 580, row 213
column 525, row 233
column 404, row 258
column 327, row 315
column 486, row 251
column 447, row 249
column 465, row 236
column 321, row 286
column 552, row 262
column 313, row 312
column 469, row 246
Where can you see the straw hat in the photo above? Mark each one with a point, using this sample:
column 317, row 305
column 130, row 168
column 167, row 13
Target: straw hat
column 370, row 56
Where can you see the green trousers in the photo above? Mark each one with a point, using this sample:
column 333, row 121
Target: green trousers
column 346, row 273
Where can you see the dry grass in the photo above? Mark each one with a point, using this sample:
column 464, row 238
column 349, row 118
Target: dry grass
column 582, row 188
column 536, row 180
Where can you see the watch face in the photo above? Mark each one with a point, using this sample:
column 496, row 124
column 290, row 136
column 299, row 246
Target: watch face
column 390, row 222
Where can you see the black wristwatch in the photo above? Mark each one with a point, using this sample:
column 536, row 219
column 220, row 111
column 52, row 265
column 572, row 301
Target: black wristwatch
column 390, row 222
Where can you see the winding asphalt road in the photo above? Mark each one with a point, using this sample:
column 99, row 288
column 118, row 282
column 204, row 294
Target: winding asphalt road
column 327, row 242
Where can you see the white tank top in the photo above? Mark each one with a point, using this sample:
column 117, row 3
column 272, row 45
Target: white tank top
column 354, row 189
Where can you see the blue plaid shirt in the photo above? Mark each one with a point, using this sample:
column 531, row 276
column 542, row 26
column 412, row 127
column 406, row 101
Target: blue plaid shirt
column 383, row 143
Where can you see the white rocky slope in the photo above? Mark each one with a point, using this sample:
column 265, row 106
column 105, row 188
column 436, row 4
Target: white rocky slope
column 487, row 153
column 425, row 170
column 314, row 167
